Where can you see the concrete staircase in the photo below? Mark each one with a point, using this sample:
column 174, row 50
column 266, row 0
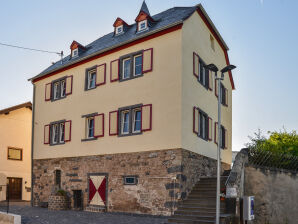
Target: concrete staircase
column 200, row 205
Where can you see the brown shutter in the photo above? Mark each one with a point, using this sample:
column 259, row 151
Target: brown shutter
column 67, row 131
column 48, row 91
column 68, row 89
column 101, row 74
column 195, row 120
column 46, row 135
column 226, row 139
column 209, row 128
column 227, row 96
column 146, row 117
column 99, row 125
column 215, row 132
column 211, row 80
column 215, row 87
column 114, row 70
column 113, row 123
column 195, row 65
column 147, row 60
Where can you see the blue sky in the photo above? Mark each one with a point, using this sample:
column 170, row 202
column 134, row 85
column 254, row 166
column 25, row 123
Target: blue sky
column 261, row 34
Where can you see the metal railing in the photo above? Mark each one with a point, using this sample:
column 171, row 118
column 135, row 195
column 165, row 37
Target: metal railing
column 273, row 160
column 4, row 203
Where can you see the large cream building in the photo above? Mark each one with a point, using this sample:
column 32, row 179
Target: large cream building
column 126, row 121
column 15, row 152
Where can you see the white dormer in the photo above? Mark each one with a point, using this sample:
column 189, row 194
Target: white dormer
column 75, row 53
column 119, row 29
column 142, row 25
column 76, row 49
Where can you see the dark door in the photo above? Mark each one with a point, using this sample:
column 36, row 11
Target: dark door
column 14, row 188
column 77, row 199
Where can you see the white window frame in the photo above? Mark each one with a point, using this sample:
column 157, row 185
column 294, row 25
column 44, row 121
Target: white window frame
column 75, row 53
column 61, row 132
column 122, row 121
column 62, row 88
column 140, row 29
column 90, row 74
column 88, row 120
column 123, row 68
column 55, row 132
column 134, row 120
column 119, row 27
column 56, row 91
column 134, row 64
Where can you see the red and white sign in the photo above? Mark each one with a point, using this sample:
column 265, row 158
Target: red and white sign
column 97, row 190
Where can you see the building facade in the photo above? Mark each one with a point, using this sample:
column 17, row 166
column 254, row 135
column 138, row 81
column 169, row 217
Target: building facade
column 127, row 123
column 15, row 152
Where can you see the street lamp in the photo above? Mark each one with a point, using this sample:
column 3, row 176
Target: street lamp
column 213, row 68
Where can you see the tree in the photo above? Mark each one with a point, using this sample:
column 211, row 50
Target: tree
column 281, row 142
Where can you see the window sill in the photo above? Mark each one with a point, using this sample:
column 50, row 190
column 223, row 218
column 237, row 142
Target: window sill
column 58, row 98
column 59, row 143
column 88, row 139
column 130, row 134
column 132, row 77
column 205, row 139
column 87, row 89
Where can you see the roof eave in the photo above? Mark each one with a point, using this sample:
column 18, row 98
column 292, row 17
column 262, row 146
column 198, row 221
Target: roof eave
column 16, row 107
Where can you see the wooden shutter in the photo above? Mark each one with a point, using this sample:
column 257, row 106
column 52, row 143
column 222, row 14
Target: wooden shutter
column 227, row 96
column 215, row 133
column 215, row 88
column 195, row 120
column 195, row 65
column 101, row 74
column 113, row 123
column 67, row 131
column 147, row 60
column 114, row 70
column 146, row 117
column 209, row 128
column 48, row 91
column 68, row 81
column 226, row 138
column 211, row 80
column 99, row 125
column 46, row 135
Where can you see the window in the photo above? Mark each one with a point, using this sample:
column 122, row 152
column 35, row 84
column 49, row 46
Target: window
column 58, row 178
column 212, row 42
column 59, row 89
column 57, row 132
column 136, row 123
column 222, row 137
column 223, row 95
column 203, row 125
column 142, row 26
column 130, row 180
column 119, row 29
column 203, row 77
column 130, row 120
column 132, row 66
column 126, row 68
column 75, row 53
column 91, row 80
column 14, row 154
column 90, row 127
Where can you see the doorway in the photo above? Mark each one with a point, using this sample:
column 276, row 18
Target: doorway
column 14, row 188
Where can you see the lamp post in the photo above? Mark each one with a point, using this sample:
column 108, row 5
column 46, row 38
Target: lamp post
column 213, row 68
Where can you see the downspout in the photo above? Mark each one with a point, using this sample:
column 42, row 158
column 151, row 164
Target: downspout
column 32, row 142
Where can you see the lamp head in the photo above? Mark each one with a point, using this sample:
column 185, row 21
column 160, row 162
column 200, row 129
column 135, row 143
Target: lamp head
column 228, row 68
column 211, row 67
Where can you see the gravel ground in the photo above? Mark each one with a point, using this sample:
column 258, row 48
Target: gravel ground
column 36, row 215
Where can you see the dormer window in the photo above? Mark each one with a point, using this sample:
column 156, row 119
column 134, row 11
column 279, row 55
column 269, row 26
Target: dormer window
column 119, row 29
column 75, row 52
column 142, row 26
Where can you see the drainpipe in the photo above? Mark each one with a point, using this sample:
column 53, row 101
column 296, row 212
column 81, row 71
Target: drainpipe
column 32, row 142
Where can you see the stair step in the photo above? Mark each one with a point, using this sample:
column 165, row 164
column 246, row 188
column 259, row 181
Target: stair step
column 194, row 217
column 189, row 220
column 189, row 212
column 197, row 207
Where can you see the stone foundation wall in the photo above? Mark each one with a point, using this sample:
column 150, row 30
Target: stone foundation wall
column 161, row 175
column 58, row 203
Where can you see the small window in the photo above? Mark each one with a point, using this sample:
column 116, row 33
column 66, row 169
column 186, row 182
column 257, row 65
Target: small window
column 138, row 59
column 14, row 154
column 59, row 89
column 223, row 94
column 136, row 123
column 212, row 42
column 57, row 133
column 58, row 178
column 222, row 137
column 90, row 127
column 142, row 25
column 126, row 68
column 119, row 29
column 203, row 127
column 75, row 52
column 125, row 122
column 130, row 180
column 91, row 79
column 203, row 77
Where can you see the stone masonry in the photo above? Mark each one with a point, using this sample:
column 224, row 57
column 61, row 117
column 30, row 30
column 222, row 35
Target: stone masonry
column 164, row 176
